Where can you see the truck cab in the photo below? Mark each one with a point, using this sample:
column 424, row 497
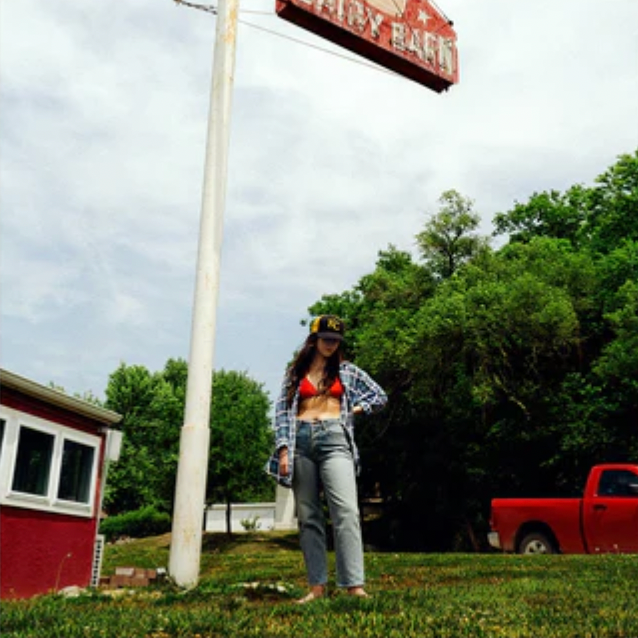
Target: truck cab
column 610, row 510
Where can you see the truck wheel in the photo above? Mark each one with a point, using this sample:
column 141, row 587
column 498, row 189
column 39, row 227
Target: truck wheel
column 536, row 543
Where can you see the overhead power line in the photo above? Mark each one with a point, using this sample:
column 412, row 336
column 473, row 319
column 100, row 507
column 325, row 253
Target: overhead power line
column 213, row 10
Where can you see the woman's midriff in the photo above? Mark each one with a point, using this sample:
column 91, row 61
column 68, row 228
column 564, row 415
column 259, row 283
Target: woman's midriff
column 319, row 408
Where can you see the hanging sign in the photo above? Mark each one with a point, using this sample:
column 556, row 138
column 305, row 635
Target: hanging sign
column 409, row 37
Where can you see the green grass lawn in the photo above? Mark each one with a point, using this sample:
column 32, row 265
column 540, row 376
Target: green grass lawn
column 248, row 587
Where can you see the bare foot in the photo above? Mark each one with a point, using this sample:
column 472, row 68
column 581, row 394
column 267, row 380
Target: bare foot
column 316, row 592
column 358, row 591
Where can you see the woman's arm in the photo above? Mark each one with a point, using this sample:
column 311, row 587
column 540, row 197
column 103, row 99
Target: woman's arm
column 366, row 394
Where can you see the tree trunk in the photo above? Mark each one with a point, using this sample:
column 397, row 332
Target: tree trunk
column 229, row 525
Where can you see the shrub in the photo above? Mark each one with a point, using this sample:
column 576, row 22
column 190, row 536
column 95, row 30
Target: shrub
column 251, row 524
column 146, row 521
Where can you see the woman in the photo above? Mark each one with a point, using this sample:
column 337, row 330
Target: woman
column 315, row 450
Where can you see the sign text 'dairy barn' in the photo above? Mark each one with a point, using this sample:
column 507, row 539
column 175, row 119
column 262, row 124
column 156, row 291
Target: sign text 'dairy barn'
column 409, row 37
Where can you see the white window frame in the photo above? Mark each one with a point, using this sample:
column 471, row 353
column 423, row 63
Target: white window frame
column 14, row 421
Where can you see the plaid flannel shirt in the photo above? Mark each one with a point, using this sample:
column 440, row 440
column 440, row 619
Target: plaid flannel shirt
column 360, row 390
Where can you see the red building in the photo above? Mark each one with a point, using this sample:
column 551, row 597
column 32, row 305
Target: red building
column 54, row 456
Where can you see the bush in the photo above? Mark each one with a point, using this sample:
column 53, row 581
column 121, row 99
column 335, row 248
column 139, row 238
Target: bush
column 146, row 521
column 251, row 524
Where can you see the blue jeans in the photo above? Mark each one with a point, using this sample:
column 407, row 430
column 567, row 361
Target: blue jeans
column 323, row 459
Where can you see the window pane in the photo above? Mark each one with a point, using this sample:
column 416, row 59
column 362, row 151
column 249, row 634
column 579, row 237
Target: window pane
column 75, row 476
column 616, row 483
column 33, row 463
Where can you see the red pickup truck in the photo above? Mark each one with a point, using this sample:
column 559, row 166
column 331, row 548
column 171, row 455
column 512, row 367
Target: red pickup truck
column 605, row 519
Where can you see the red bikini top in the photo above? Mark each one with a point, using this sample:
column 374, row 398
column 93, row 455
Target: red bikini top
column 307, row 390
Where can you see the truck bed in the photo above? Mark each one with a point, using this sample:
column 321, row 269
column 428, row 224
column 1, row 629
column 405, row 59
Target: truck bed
column 562, row 515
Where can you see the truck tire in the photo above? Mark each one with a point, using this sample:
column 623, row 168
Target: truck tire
column 536, row 543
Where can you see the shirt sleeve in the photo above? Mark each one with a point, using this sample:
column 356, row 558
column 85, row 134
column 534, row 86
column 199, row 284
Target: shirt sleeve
column 366, row 392
column 281, row 423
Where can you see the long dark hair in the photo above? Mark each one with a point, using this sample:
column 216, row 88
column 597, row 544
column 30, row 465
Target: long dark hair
column 301, row 364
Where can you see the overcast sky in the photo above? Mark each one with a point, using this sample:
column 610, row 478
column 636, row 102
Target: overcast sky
column 102, row 137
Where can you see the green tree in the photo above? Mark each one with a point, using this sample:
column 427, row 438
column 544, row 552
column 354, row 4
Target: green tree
column 86, row 396
column 613, row 206
column 152, row 406
column 596, row 218
column 448, row 239
column 152, row 411
column 547, row 214
column 240, row 441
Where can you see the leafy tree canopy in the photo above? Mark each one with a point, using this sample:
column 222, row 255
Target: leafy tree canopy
column 508, row 371
column 152, row 405
column 597, row 218
column 240, row 440
column 448, row 239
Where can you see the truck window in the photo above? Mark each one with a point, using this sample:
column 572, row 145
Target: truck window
column 617, row 483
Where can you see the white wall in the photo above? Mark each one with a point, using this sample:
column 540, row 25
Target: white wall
column 277, row 515
column 216, row 516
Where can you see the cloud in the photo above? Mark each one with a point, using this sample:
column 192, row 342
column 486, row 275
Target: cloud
column 105, row 109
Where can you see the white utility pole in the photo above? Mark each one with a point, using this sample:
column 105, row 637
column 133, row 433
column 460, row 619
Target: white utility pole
column 190, row 489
